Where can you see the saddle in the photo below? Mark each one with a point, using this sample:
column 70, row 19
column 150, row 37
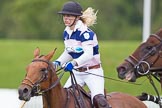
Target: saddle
column 79, row 94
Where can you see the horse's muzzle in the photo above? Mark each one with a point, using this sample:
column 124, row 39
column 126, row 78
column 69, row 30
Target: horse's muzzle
column 125, row 73
column 24, row 93
column 121, row 72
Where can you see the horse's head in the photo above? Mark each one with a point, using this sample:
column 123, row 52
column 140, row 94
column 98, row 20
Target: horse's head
column 37, row 77
column 147, row 55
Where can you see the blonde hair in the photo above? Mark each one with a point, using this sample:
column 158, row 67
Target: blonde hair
column 89, row 17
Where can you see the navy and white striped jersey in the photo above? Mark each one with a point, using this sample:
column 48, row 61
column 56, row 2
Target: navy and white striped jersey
column 81, row 44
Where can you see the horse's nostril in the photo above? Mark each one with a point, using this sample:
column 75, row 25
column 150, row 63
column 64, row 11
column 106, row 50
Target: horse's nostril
column 121, row 69
column 121, row 72
column 25, row 90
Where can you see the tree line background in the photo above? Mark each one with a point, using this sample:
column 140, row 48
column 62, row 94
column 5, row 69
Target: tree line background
column 38, row 19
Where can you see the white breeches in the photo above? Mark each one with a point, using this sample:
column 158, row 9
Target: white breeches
column 94, row 83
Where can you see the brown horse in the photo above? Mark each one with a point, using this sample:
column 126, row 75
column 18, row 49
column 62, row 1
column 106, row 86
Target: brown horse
column 41, row 78
column 145, row 59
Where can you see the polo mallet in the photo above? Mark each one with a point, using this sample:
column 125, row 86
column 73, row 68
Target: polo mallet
column 22, row 104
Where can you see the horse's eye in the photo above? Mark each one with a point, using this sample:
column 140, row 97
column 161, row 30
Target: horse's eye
column 149, row 47
column 43, row 70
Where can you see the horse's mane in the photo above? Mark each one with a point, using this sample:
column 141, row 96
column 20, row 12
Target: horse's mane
column 159, row 32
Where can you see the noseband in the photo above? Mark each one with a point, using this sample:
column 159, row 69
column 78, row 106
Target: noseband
column 142, row 67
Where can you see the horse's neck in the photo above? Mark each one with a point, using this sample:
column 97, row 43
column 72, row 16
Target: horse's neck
column 55, row 96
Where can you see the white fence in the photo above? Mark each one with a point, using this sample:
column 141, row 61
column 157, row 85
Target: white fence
column 9, row 99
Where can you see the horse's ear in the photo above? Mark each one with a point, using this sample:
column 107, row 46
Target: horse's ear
column 36, row 52
column 50, row 55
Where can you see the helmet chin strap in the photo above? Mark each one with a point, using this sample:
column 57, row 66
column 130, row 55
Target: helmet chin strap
column 73, row 22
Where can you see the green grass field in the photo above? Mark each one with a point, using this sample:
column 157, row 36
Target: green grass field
column 17, row 54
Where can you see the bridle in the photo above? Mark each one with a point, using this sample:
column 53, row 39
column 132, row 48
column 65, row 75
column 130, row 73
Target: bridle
column 36, row 90
column 142, row 66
